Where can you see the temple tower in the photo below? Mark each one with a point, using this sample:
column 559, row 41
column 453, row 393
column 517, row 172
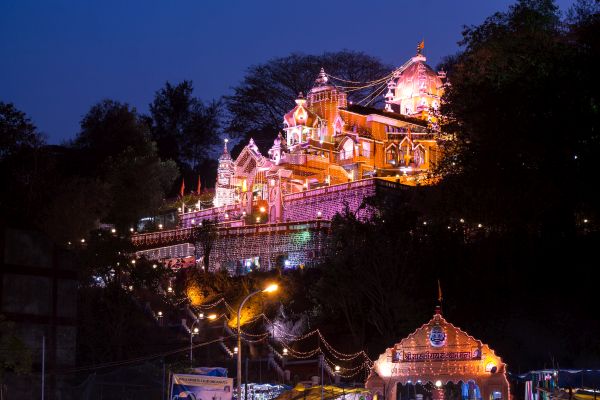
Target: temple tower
column 415, row 89
column 300, row 124
column 225, row 188
column 324, row 99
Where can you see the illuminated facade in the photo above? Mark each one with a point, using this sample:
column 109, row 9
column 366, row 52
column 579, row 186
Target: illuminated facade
column 437, row 355
column 330, row 153
column 326, row 141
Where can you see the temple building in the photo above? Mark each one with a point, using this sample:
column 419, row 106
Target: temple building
column 439, row 361
column 330, row 153
column 326, row 141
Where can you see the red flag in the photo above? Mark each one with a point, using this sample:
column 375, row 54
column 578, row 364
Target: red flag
column 199, row 185
column 182, row 190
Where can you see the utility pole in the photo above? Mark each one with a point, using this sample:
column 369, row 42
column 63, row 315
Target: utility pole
column 163, row 380
column 43, row 364
column 246, row 385
column 322, row 382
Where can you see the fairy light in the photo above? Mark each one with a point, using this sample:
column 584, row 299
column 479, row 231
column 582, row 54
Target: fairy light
column 327, row 350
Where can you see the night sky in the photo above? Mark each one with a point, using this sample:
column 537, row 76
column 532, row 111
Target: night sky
column 57, row 58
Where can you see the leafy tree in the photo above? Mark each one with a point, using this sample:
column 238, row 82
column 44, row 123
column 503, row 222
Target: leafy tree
column 525, row 118
column 107, row 260
column 268, row 90
column 115, row 145
column 26, row 168
column 16, row 131
column 204, row 236
column 185, row 128
column 109, row 129
column 74, row 207
column 371, row 279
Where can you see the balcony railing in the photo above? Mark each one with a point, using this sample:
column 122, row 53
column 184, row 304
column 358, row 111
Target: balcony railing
column 183, row 235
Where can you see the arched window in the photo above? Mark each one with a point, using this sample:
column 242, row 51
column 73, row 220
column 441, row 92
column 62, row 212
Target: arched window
column 391, row 155
column 347, row 150
column 419, row 156
column 405, row 155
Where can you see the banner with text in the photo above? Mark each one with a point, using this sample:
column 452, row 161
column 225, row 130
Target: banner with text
column 201, row 387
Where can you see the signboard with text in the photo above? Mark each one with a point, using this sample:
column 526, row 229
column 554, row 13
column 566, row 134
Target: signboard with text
column 409, row 356
column 201, row 387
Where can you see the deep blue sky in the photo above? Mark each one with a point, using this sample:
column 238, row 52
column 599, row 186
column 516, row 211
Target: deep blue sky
column 57, row 57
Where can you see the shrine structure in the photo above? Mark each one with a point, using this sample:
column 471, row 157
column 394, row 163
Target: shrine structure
column 439, row 361
column 331, row 155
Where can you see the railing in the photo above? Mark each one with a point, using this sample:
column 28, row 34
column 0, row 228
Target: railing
column 329, row 189
column 185, row 234
column 168, row 236
column 295, row 159
column 225, row 348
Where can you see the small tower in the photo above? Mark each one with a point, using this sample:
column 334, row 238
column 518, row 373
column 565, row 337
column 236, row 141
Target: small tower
column 300, row 123
column 277, row 151
column 324, row 99
column 322, row 78
column 224, row 188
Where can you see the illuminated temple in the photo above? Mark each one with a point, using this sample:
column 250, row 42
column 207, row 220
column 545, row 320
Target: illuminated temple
column 329, row 154
column 439, row 359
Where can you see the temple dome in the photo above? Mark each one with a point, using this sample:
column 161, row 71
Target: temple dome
column 300, row 115
column 417, row 79
column 415, row 89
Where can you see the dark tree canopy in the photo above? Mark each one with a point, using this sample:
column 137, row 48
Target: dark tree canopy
column 115, row 146
column 268, row 90
column 16, row 131
column 26, row 168
column 523, row 105
column 185, row 129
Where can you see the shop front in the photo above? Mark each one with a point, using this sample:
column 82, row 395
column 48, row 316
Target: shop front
column 439, row 361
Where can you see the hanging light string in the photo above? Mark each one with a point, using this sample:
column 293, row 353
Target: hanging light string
column 216, row 303
column 285, row 339
column 337, row 78
column 375, row 92
column 356, row 88
column 366, row 86
column 376, row 95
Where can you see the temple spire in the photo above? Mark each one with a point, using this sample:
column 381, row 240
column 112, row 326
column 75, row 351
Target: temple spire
column 225, row 151
column 420, row 47
column 438, row 308
column 322, row 78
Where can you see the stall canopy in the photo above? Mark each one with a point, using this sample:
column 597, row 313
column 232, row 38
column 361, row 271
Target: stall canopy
column 329, row 393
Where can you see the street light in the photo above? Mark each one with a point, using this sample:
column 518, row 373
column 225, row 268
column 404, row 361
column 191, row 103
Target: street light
column 269, row 289
column 193, row 331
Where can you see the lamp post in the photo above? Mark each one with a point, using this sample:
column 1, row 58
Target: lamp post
column 269, row 289
column 194, row 331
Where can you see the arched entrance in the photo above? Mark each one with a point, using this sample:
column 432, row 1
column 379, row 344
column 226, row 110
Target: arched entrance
column 439, row 361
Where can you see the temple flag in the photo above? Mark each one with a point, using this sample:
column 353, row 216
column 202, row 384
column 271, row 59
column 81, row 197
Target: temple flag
column 199, row 185
column 439, row 291
column 421, row 45
column 182, row 190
